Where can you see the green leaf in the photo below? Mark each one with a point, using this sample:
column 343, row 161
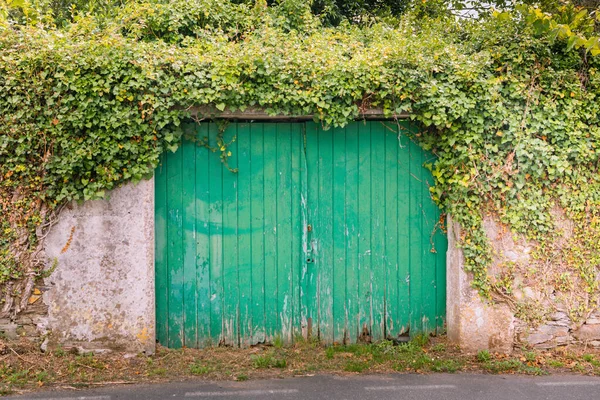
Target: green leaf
column 571, row 42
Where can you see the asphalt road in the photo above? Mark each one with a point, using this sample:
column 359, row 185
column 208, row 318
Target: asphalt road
column 405, row 387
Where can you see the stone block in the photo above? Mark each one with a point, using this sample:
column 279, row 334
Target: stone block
column 559, row 316
column 548, row 336
column 562, row 323
column 561, row 340
column 9, row 330
column 553, row 330
column 537, row 338
column 587, row 333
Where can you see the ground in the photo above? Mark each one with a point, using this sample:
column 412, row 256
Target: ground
column 24, row 369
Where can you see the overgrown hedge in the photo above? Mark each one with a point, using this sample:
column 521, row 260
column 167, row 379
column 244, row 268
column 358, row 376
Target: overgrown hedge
column 511, row 113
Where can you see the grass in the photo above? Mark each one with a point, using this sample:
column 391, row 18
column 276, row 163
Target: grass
column 445, row 366
column 483, row 356
column 30, row 370
column 268, row 361
column 262, row 361
column 199, row 368
column 497, row 366
column 356, row 366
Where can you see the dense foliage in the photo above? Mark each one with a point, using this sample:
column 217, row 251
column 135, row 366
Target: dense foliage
column 508, row 104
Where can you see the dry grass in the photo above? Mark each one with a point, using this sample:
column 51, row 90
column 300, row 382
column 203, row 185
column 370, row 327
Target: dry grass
column 24, row 368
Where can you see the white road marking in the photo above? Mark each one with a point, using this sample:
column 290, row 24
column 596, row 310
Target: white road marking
column 77, row 398
column 574, row 383
column 409, row 387
column 241, row 393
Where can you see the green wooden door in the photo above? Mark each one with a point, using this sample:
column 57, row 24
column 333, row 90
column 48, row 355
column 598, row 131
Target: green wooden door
column 324, row 233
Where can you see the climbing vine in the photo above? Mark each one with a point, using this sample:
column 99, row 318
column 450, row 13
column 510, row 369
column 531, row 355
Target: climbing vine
column 508, row 104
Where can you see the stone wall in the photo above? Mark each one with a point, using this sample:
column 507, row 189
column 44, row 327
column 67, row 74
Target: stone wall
column 29, row 323
column 535, row 302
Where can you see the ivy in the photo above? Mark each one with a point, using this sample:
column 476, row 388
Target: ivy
column 511, row 111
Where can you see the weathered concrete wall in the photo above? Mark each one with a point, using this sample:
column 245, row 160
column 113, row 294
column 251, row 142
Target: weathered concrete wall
column 472, row 324
column 101, row 295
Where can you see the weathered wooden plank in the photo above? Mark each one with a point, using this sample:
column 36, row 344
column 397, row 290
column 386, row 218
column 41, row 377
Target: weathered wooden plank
column 298, row 261
column 429, row 216
column 416, row 239
column 340, row 320
column 203, row 205
column 378, row 249
column 244, row 233
column 391, row 231
column 257, row 195
column 285, row 264
column 161, row 240
column 230, row 242
column 310, row 281
column 441, row 245
column 365, row 273
column 324, row 235
column 270, row 216
column 352, row 232
column 175, row 249
column 188, row 212
column 215, row 172
column 403, row 202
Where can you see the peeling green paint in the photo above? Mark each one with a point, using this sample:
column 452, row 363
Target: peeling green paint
column 236, row 263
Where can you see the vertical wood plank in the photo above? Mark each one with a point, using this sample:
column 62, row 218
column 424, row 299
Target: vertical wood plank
column 298, row 226
column 270, row 216
column 161, row 266
column 203, row 205
column 324, row 235
column 352, row 232
column 175, row 248
column 284, row 231
column 441, row 245
column 230, row 269
column 391, row 230
column 216, row 241
column 378, row 250
column 428, row 215
column 244, row 233
column 310, row 283
column 188, row 150
column 416, row 239
column 403, row 202
column 339, row 243
column 257, row 195
column 365, row 273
